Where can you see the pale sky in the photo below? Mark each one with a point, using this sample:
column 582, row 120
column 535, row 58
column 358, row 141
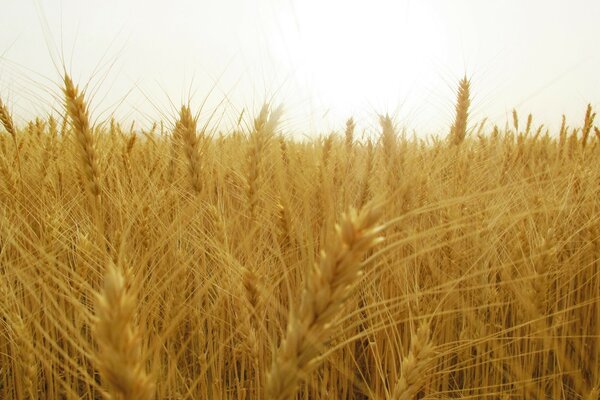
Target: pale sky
column 324, row 60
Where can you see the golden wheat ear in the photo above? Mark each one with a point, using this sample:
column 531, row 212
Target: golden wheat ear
column 324, row 296
column 7, row 121
column 79, row 115
column 458, row 132
column 120, row 358
column 414, row 366
column 186, row 131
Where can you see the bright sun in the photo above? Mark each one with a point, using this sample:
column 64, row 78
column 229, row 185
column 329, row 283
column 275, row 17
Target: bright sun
column 352, row 53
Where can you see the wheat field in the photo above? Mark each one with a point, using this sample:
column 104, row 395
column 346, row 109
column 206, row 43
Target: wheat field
column 184, row 263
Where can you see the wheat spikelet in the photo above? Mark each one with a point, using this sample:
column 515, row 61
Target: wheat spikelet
column 252, row 293
column 528, row 124
column 284, row 224
column 79, row 115
column 388, row 138
column 126, row 154
column 562, row 135
column 9, row 176
column 9, row 125
column 459, row 128
column 283, row 150
column 389, row 143
column 324, row 296
column 264, row 128
column 587, row 124
column 349, row 136
column 52, row 127
column 7, row 121
column 515, row 118
column 414, row 365
column 186, row 131
column 120, row 358
column 366, row 185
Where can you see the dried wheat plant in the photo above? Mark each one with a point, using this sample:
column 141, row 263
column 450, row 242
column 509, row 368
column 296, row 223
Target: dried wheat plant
column 179, row 261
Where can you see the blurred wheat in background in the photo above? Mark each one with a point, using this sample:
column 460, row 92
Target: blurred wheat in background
column 246, row 264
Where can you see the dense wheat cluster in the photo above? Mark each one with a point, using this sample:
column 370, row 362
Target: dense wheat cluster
column 184, row 263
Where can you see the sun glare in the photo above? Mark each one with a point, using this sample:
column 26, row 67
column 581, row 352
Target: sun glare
column 341, row 51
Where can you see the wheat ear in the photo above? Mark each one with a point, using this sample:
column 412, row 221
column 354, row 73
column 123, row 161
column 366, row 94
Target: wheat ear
column 349, row 136
column 120, row 356
column 463, row 101
column 7, row 121
column 79, row 115
column 186, row 130
column 9, row 125
column 414, row 365
column 587, row 125
column 264, row 129
column 329, row 285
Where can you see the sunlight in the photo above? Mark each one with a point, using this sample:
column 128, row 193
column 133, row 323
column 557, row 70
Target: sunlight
column 353, row 55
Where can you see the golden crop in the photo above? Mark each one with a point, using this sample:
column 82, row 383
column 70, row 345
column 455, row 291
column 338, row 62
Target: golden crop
column 247, row 265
